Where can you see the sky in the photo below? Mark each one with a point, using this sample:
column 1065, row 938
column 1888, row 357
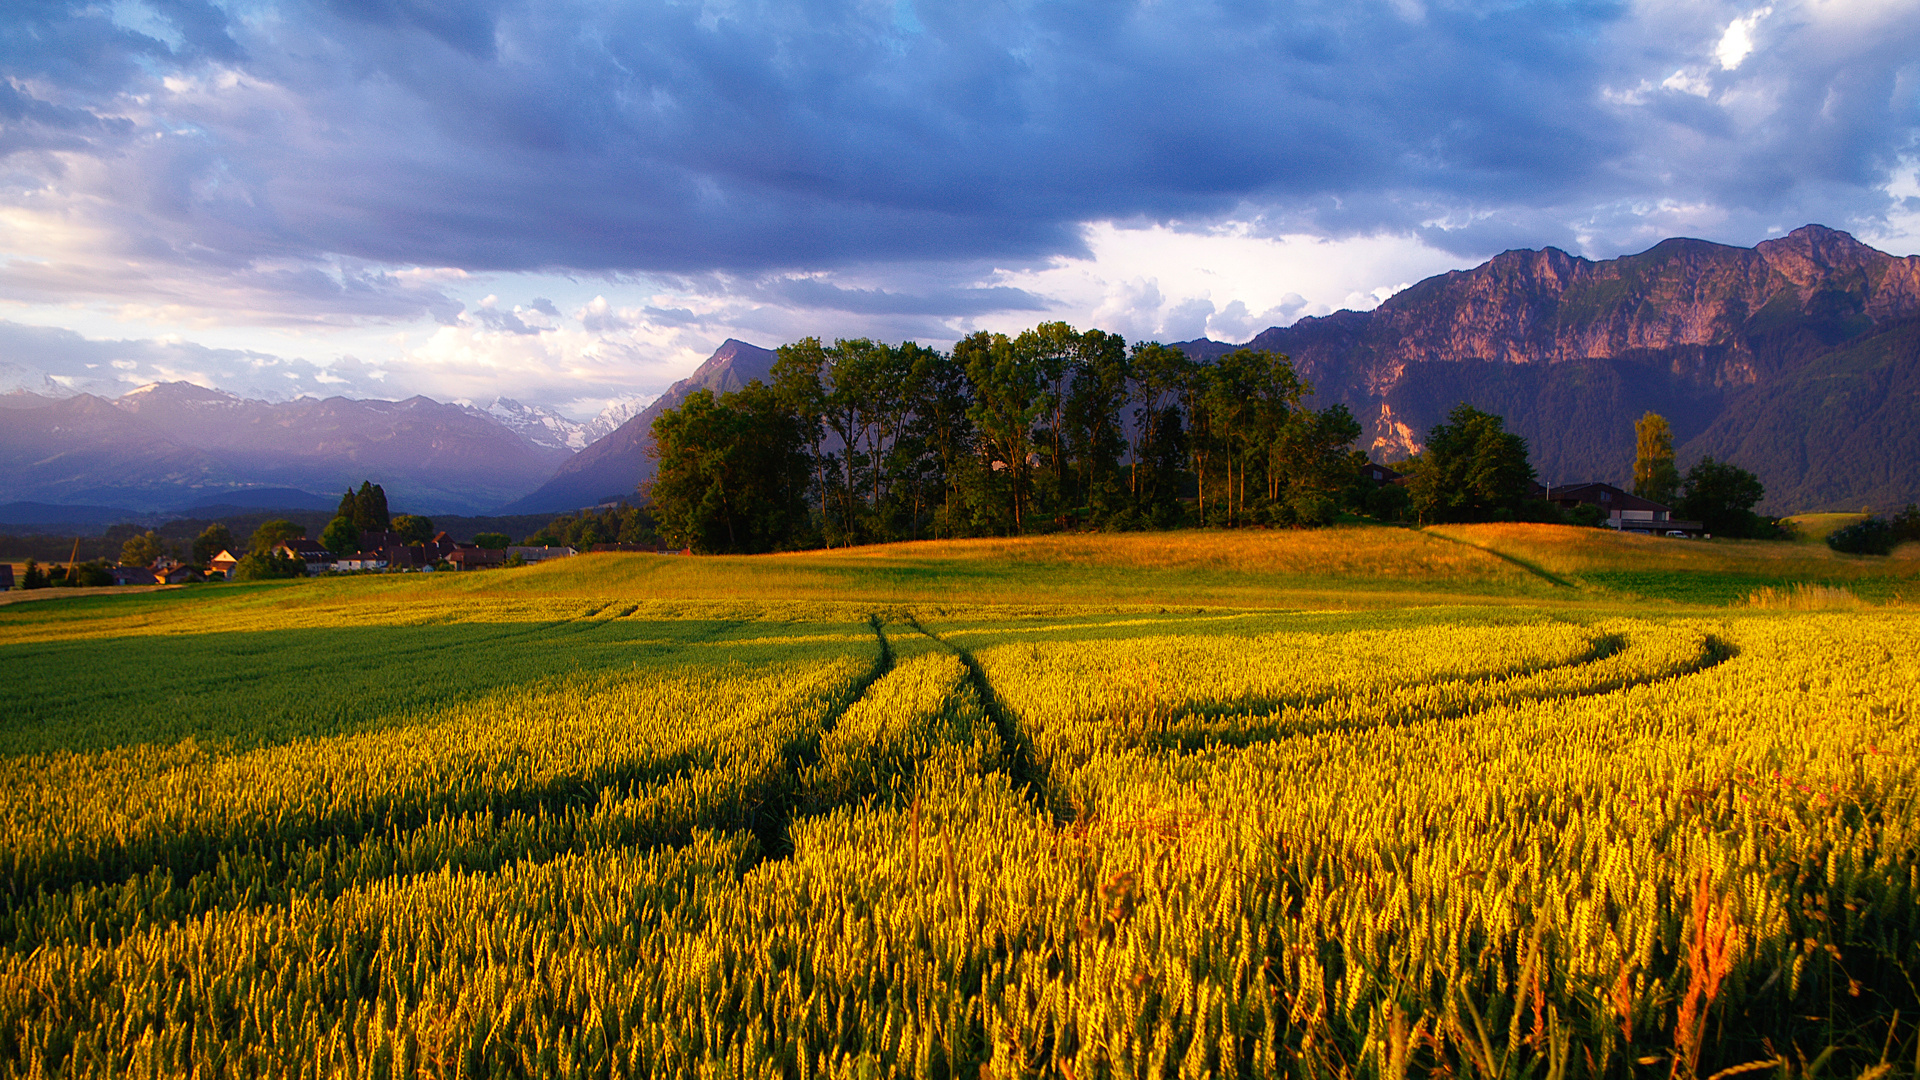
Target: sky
column 572, row 203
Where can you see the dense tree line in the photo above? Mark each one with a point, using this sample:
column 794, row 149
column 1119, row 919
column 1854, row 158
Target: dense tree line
column 621, row 524
column 862, row 441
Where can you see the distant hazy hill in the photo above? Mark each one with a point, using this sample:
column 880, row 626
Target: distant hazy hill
column 615, row 465
column 1798, row 358
column 172, row 445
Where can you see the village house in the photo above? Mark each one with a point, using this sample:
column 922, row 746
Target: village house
column 409, row 557
column 1380, row 474
column 1625, row 511
column 362, row 560
column 132, row 575
column 318, row 559
column 6, row 576
column 473, row 557
column 223, row 563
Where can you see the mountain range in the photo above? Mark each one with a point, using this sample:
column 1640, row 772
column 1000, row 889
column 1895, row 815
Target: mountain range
column 171, row 445
column 1798, row 358
column 545, row 427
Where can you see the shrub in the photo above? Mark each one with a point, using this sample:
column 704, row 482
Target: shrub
column 1588, row 514
column 267, row 567
column 1388, row 502
column 494, row 541
column 1906, row 524
column 1874, row 536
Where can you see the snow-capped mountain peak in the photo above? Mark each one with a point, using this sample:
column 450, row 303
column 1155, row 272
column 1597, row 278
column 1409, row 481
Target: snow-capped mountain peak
column 616, row 414
column 536, row 423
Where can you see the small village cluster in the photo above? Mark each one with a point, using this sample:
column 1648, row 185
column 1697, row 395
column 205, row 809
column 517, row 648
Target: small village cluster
column 388, row 551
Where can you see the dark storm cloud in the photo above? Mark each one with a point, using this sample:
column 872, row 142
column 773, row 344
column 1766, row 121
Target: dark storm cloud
column 814, row 293
column 754, row 137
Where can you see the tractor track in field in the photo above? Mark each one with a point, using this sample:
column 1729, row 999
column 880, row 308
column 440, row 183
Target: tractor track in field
column 772, row 821
column 1016, row 749
column 1537, row 571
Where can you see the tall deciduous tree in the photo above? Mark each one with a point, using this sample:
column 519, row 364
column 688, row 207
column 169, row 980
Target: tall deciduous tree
column 1473, row 469
column 733, row 472
column 1007, row 398
column 412, row 528
column 341, row 536
column 1096, row 437
column 1721, row 496
column 798, row 388
column 1311, row 464
column 274, row 533
column 1654, row 474
column 212, row 540
column 1157, row 382
column 370, row 508
column 142, row 550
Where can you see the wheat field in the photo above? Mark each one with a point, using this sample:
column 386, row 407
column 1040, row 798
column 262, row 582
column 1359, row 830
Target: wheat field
column 497, row 827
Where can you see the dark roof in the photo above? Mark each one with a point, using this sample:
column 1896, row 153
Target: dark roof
column 1604, row 495
column 477, row 555
column 1380, row 473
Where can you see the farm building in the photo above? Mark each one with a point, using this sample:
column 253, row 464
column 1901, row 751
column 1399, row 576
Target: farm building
column 1625, row 510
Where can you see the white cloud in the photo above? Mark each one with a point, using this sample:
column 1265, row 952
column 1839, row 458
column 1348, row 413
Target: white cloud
column 1737, row 42
column 1689, row 82
column 1229, row 282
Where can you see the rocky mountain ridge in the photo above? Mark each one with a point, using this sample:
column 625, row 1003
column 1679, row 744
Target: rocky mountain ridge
column 1571, row 350
column 549, row 428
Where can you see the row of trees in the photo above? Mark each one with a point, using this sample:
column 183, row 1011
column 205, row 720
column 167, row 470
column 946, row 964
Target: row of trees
column 861, row 441
column 622, row 524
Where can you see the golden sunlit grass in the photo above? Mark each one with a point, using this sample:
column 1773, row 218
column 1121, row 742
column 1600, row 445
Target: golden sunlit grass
column 1351, row 567
column 1814, row 528
column 1568, row 550
column 1805, row 598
